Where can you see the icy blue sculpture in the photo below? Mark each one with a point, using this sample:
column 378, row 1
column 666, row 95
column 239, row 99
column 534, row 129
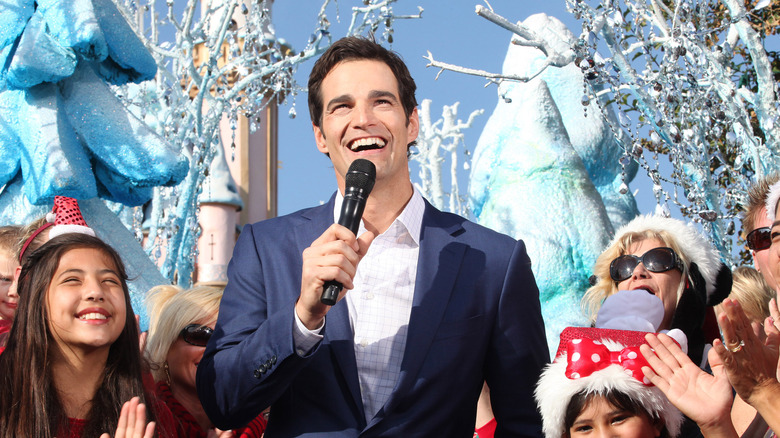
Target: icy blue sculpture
column 549, row 173
column 63, row 131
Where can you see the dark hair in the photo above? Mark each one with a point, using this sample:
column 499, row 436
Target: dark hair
column 29, row 402
column 618, row 399
column 357, row 48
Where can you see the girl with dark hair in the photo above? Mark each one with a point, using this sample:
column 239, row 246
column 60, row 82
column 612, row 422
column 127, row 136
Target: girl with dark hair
column 596, row 387
column 72, row 356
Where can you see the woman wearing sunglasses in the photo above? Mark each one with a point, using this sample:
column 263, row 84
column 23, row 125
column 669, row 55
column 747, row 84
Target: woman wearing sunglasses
column 181, row 324
column 670, row 260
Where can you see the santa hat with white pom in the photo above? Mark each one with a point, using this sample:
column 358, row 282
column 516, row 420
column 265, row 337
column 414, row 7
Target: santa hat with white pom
column 65, row 217
column 599, row 361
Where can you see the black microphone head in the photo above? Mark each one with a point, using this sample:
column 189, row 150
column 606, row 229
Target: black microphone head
column 361, row 175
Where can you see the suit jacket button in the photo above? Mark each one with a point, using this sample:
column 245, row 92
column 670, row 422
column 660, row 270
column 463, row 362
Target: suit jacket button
column 273, row 359
column 257, row 374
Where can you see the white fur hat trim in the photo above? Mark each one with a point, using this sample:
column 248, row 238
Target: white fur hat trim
column 57, row 230
column 555, row 391
column 696, row 247
column 771, row 201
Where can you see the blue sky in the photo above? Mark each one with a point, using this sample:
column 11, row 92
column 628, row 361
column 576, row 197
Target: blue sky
column 450, row 29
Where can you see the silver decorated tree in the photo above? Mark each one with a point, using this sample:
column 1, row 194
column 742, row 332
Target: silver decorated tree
column 694, row 89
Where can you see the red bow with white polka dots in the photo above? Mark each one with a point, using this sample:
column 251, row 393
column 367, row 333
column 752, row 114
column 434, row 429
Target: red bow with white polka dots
column 585, row 357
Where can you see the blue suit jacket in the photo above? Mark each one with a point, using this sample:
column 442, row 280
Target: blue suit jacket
column 475, row 316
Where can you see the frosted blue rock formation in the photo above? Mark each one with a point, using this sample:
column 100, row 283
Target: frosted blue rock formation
column 544, row 173
column 63, row 131
column 62, row 125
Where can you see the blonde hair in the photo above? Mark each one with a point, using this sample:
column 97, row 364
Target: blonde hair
column 756, row 198
column 9, row 236
column 605, row 286
column 752, row 292
column 26, row 233
column 170, row 309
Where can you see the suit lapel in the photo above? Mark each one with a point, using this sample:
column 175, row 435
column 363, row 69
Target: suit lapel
column 437, row 269
column 338, row 331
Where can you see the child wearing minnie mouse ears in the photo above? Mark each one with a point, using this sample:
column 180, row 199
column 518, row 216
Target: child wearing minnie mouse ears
column 596, row 387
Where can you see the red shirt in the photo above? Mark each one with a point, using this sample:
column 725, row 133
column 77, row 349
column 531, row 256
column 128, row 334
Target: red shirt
column 188, row 426
column 486, row 431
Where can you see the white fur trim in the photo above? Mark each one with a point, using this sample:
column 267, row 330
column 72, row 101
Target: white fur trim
column 554, row 392
column 51, row 217
column 696, row 247
column 58, row 230
column 771, row 201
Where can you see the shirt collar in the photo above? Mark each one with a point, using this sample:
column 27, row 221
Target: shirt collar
column 410, row 218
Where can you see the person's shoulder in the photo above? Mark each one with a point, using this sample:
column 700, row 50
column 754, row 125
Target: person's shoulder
column 468, row 231
column 292, row 219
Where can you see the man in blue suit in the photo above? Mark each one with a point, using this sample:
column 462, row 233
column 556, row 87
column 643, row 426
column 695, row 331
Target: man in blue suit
column 432, row 305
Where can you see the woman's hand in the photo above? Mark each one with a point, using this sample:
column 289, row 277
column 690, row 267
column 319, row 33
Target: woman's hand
column 132, row 421
column 750, row 364
column 704, row 398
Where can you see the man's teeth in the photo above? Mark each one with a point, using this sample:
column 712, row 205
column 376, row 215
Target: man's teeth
column 365, row 142
column 92, row 316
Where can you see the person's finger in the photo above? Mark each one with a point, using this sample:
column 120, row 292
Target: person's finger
column 337, row 232
column 655, row 379
column 725, row 356
column 739, row 320
column 364, row 242
column 121, row 425
column 656, row 355
column 673, row 348
column 726, row 328
column 772, row 333
column 140, row 422
column 774, row 312
column 149, row 433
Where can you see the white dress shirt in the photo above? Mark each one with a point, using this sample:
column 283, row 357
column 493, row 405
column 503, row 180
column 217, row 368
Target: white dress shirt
column 379, row 305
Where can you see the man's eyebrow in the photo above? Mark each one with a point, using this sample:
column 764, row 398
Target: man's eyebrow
column 339, row 99
column 381, row 93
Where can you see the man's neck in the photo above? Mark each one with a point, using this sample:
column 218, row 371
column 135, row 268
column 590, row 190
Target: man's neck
column 384, row 205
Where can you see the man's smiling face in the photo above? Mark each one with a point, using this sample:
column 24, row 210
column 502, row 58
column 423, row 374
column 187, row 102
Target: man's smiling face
column 363, row 118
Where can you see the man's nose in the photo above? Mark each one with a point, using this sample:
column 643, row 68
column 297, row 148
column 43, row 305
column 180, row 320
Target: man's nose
column 363, row 115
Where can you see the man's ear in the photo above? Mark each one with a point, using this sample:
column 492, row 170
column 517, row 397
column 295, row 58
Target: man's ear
column 319, row 138
column 413, row 127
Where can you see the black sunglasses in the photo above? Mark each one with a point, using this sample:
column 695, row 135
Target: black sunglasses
column 760, row 238
column 196, row 334
column 655, row 260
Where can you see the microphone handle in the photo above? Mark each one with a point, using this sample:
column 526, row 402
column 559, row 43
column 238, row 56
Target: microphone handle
column 330, row 292
column 351, row 212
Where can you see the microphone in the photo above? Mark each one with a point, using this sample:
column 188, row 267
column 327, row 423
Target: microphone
column 358, row 184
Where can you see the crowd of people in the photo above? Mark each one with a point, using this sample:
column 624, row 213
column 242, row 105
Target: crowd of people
column 437, row 328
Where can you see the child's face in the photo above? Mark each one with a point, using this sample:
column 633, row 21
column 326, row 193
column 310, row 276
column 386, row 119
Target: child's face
column 86, row 301
column 600, row 418
column 8, row 297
